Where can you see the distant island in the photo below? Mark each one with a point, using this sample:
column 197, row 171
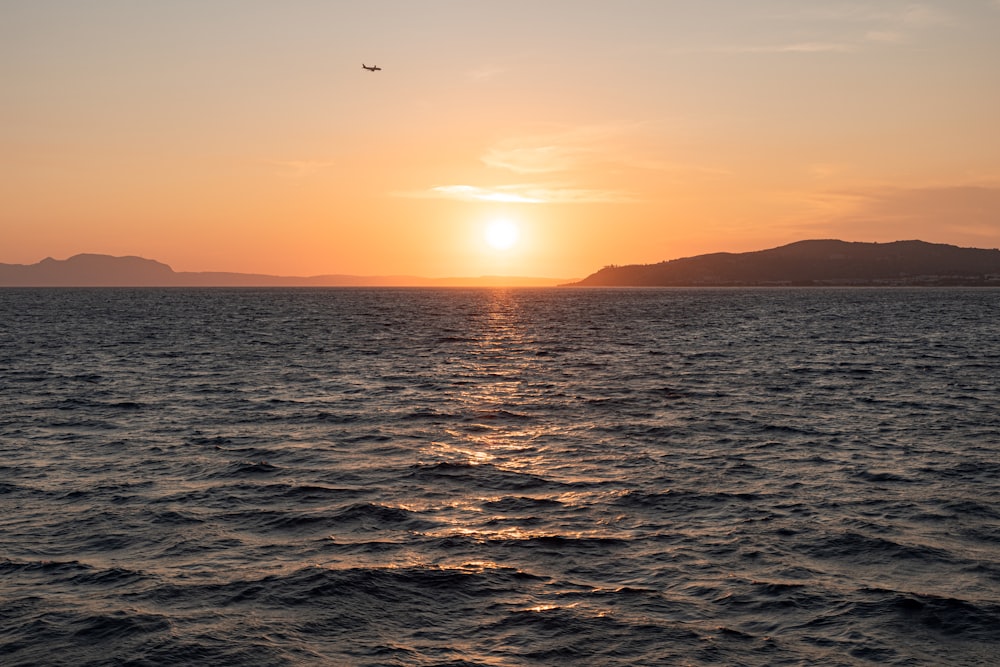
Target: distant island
column 804, row 263
column 815, row 263
column 93, row 270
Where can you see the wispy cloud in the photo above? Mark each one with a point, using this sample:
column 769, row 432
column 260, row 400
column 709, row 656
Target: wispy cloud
column 797, row 47
column 504, row 193
column 563, row 163
column 971, row 211
column 851, row 28
column 882, row 14
column 565, row 150
column 533, row 159
column 559, row 151
column 524, row 193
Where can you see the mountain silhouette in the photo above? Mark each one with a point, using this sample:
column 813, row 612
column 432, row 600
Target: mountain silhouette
column 87, row 270
column 94, row 270
column 815, row 262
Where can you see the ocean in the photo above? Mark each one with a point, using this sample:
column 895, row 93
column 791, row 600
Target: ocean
column 461, row 477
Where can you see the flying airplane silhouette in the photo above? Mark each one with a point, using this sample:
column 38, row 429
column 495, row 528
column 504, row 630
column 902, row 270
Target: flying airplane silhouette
column 373, row 68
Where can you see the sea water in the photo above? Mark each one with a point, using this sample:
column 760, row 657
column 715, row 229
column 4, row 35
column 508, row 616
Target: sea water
column 499, row 477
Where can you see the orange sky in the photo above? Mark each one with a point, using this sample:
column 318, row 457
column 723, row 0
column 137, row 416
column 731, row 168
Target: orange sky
column 244, row 135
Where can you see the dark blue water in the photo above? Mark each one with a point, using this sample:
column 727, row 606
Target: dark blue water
column 499, row 477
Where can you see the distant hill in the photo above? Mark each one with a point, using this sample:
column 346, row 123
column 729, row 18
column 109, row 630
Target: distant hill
column 91, row 270
column 817, row 262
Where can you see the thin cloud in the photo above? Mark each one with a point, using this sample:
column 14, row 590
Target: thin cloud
column 923, row 15
column 972, row 211
column 563, row 152
column 578, row 148
column 912, row 14
column 797, row 47
column 533, row 159
column 559, row 151
column 853, row 28
column 508, row 193
column 653, row 164
column 523, row 194
column 562, row 156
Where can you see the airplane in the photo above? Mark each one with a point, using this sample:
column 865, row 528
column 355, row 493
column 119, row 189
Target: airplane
column 373, row 68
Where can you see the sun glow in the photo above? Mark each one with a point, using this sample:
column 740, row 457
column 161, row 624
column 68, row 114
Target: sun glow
column 502, row 234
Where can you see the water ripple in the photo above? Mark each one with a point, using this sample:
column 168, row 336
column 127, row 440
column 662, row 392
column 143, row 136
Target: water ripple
column 499, row 477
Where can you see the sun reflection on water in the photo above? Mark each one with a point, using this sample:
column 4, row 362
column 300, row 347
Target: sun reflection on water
column 501, row 435
column 468, row 455
column 496, row 404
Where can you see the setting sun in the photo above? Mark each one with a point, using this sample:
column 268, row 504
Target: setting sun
column 502, row 234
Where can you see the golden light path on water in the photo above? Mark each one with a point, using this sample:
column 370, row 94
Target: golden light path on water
column 496, row 429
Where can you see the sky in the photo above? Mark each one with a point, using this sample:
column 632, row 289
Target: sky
column 244, row 135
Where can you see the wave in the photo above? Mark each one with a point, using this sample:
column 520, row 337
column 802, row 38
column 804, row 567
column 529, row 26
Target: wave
column 474, row 477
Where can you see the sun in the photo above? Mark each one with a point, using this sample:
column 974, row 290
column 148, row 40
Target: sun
column 502, row 234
